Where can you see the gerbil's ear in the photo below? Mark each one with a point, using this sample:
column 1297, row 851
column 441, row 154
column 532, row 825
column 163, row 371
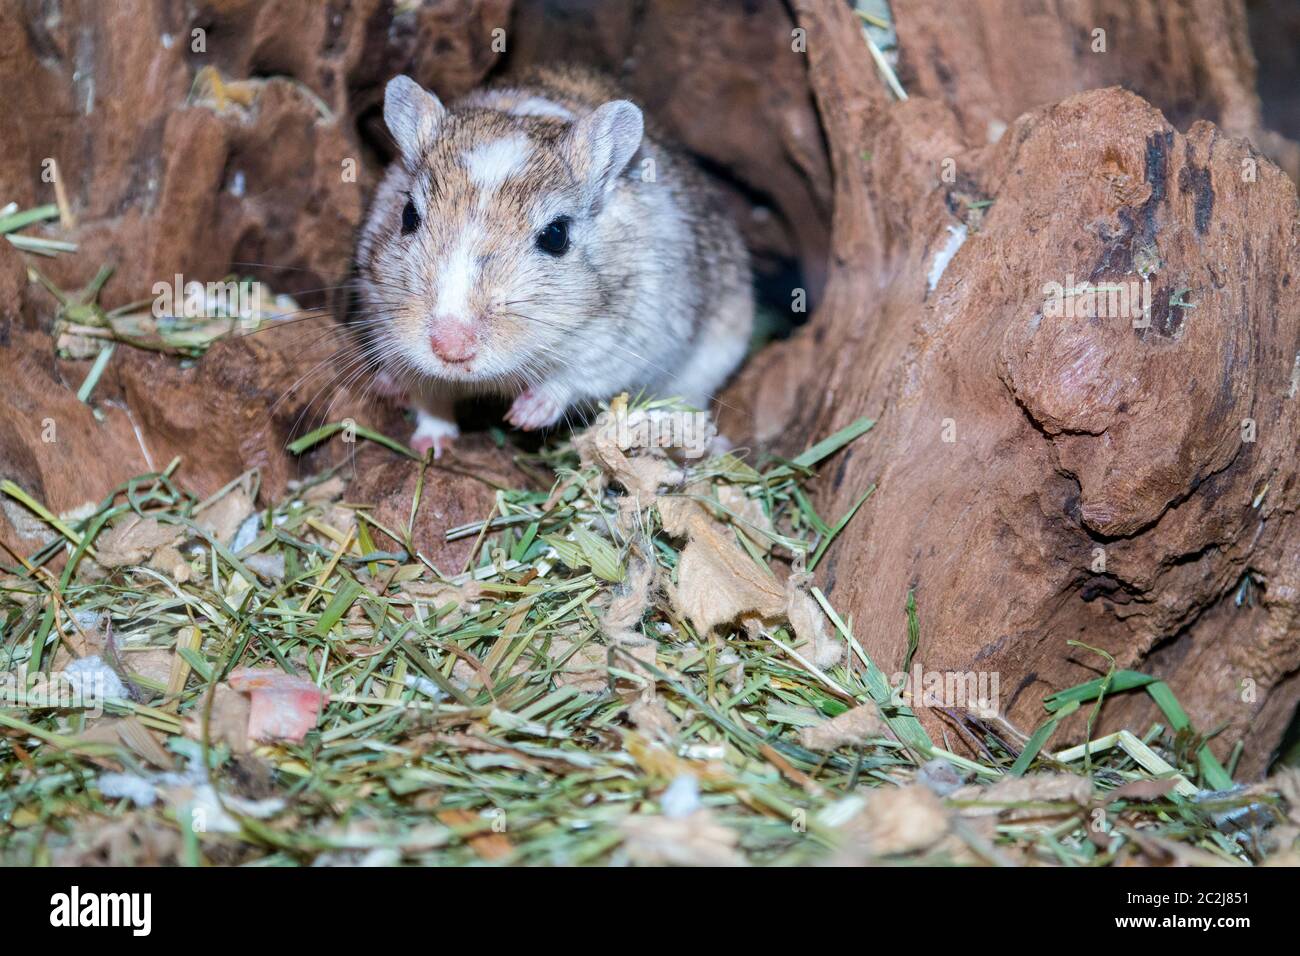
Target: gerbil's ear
column 412, row 114
column 605, row 140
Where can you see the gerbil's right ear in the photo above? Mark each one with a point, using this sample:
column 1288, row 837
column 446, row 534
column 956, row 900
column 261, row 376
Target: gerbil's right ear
column 412, row 114
column 604, row 142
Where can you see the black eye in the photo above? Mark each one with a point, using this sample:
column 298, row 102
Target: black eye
column 554, row 239
column 410, row 218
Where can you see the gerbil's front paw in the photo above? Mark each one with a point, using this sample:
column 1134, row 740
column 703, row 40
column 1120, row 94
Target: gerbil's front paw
column 432, row 432
column 534, row 409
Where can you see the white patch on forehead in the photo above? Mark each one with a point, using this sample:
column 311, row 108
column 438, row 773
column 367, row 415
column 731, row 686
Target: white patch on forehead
column 456, row 274
column 539, row 106
column 493, row 163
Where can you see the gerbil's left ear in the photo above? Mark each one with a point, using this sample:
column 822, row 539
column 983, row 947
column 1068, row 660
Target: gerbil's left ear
column 605, row 140
column 412, row 114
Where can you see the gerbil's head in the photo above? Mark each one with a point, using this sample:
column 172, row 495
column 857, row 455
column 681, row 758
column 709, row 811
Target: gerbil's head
column 483, row 249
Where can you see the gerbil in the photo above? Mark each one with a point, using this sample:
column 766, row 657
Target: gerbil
column 530, row 241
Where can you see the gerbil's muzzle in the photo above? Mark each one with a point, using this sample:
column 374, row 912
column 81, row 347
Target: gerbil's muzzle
column 453, row 340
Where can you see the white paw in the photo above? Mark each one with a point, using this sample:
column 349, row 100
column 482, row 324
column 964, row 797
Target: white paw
column 432, row 432
column 534, row 409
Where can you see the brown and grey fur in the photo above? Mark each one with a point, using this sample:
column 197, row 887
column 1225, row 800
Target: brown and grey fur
column 654, row 292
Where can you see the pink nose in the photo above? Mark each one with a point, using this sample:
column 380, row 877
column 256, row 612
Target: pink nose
column 453, row 340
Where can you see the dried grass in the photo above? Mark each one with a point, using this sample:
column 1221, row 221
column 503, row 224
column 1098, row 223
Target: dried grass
column 557, row 703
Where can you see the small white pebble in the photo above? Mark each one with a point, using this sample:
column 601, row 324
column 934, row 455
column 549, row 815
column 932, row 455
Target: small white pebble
column 424, row 686
column 704, row 752
column 94, row 680
column 137, row 789
column 682, row 798
column 247, row 533
column 270, row 566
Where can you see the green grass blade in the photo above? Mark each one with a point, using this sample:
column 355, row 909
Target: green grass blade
column 1039, row 739
column 18, row 220
column 313, row 438
column 1118, row 682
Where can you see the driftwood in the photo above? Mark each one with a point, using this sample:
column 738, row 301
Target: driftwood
column 1043, row 480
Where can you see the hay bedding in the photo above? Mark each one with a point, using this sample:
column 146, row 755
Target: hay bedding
column 634, row 668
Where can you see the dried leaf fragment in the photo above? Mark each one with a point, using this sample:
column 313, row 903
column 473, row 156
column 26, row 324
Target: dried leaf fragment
column 854, row 726
column 717, row 582
column 133, row 540
column 282, row 707
column 1034, row 790
column 694, row 840
column 898, row 820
